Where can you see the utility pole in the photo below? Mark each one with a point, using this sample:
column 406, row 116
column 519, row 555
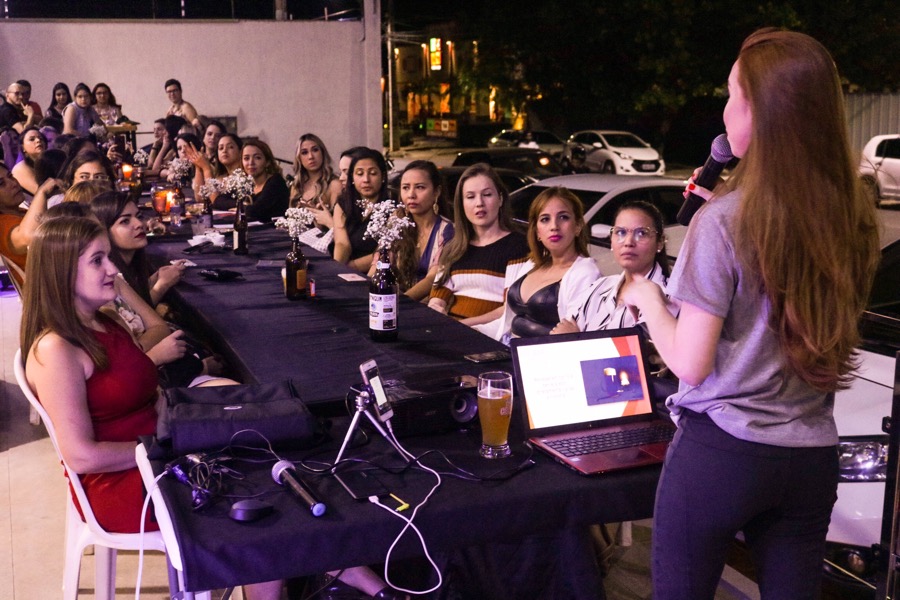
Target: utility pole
column 390, row 77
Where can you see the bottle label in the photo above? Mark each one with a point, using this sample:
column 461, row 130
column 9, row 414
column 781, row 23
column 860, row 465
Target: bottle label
column 301, row 280
column 383, row 312
column 237, row 239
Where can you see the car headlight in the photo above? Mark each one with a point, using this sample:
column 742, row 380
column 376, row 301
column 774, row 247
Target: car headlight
column 544, row 161
column 863, row 459
column 623, row 155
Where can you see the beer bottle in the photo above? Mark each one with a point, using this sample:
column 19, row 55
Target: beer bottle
column 240, row 229
column 206, row 218
column 295, row 272
column 384, row 300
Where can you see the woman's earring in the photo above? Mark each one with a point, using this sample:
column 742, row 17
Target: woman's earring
column 434, row 207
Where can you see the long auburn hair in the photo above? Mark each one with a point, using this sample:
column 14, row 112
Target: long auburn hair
column 804, row 229
column 463, row 232
column 51, row 272
column 539, row 254
column 301, row 175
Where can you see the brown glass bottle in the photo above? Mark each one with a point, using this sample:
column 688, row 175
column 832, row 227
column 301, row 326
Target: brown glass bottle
column 295, row 272
column 384, row 300
column 240, row 229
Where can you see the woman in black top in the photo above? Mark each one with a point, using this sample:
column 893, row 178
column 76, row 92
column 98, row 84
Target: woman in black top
column 368, row 177
column 270, row 192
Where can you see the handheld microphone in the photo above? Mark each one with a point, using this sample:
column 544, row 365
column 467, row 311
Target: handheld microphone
column 284, row 474
column 719, row 156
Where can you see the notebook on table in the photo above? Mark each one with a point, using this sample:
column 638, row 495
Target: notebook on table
column 587, row 402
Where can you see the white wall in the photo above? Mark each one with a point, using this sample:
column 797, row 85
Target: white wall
column 280, row 79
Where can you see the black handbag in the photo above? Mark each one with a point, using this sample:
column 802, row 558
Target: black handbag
column 210, row 418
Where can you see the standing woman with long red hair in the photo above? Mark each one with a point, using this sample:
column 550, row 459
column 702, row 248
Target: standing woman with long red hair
column 773, row 276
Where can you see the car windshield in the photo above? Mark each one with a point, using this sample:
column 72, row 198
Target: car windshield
column 623, row 140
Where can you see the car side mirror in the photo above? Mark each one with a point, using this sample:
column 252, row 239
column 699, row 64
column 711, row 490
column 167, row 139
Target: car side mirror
column 600, row 231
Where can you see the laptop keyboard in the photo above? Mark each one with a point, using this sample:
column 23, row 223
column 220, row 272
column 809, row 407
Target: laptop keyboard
column 612, row 440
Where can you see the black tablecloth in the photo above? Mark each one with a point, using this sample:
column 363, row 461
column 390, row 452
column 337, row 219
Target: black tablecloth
column 319, row 344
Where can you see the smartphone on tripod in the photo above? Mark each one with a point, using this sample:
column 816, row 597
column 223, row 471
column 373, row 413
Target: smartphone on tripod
column 372, row 378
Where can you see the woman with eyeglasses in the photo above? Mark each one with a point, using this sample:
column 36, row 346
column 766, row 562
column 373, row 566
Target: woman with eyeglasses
column 639, row 246
column 773, row 276
column 546, row 288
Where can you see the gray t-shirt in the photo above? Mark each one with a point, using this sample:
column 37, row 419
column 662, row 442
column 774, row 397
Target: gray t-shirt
column 749, row 392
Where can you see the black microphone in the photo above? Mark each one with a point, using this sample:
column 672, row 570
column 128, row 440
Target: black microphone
column 284, row 474
column 719, row 156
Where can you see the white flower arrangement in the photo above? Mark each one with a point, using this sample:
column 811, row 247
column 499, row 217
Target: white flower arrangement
column 238, row 184
column 386, row 224
column 212, row 186
column 296, row 221
column 141, row 158
column 99, row 131
column 179, row 169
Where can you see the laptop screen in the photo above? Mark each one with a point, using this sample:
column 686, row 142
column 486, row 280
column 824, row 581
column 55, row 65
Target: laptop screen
column 581, row 378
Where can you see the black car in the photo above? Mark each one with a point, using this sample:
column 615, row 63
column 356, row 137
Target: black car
column 531, row 161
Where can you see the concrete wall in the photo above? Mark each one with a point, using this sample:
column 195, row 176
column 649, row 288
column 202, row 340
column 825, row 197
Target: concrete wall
column 869, row 115
column 280, row 79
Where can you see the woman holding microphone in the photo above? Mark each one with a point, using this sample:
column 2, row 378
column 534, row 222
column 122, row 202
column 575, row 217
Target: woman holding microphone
column 773, row 276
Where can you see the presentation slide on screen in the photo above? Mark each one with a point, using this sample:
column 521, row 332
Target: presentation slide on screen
column 582, row 381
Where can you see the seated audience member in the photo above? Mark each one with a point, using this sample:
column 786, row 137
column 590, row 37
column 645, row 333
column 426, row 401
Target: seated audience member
column 87, row 165
column 52, row 128
column 32, row 144
column 316, row 186
column 14, row 112
column 229, row 160
column 548, row 287
column 346, row 158
column 49, row 165
column 16, row 227
column 211, row 136
column 418, row 251
column 470, row 281
column 163, row 151
column 62, row 97
column 128, row 236
column 95, row 382
column 639, row 245
column 182, row 141
column 180, row 107
column 159, row 129
column 79, row 116
column 26, row 98
column 105, row 104
column 270, row 192
column 366, row 187
column 82, row 192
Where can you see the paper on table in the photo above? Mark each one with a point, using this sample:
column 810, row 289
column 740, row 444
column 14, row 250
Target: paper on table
column 229, row 227
column 351, row 277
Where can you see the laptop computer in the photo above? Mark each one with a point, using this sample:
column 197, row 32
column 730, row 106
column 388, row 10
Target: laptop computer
column 587, row 402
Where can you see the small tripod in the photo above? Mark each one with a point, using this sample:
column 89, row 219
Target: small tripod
column 363, row 400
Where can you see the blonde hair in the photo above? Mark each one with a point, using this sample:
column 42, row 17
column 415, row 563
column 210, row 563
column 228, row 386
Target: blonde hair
column 804, row 229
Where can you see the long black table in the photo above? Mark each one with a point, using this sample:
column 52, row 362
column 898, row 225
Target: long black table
column 319, row 343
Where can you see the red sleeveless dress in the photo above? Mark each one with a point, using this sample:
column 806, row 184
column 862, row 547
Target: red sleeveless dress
column 121, row 401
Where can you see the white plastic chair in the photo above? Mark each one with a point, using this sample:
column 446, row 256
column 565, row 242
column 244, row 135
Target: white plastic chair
column 83, row 533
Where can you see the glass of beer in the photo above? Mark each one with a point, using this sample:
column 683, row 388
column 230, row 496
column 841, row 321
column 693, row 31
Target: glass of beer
column 494, row 412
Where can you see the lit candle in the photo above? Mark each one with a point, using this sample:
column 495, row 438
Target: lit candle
column 126, row 171
column 169, row 199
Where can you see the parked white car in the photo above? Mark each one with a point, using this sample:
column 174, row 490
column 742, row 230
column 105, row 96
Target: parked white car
column 616, row 152
column 880, row 166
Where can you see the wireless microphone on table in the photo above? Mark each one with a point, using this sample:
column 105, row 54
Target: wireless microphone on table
column 719, row 156
column 284, row 474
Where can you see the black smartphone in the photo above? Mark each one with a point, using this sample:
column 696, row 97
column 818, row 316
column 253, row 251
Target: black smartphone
column 361, row 484
column 372, row 378
column 488, row 357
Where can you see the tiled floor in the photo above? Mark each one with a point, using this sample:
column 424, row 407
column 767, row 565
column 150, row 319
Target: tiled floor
column 32, row 509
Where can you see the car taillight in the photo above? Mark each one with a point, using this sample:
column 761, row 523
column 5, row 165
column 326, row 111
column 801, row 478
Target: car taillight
column 863, row 459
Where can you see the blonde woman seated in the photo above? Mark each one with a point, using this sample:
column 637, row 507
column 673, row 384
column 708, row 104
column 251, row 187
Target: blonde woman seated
column 639, row 245
column 548, row 287
column 470, row 281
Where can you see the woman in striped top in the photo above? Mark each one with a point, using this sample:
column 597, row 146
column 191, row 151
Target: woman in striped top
column 470, row 281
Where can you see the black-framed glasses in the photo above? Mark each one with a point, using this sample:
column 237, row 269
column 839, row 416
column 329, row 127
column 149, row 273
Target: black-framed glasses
column 641, row 234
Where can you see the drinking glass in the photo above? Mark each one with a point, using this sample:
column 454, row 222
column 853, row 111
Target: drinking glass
column 494, row 412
